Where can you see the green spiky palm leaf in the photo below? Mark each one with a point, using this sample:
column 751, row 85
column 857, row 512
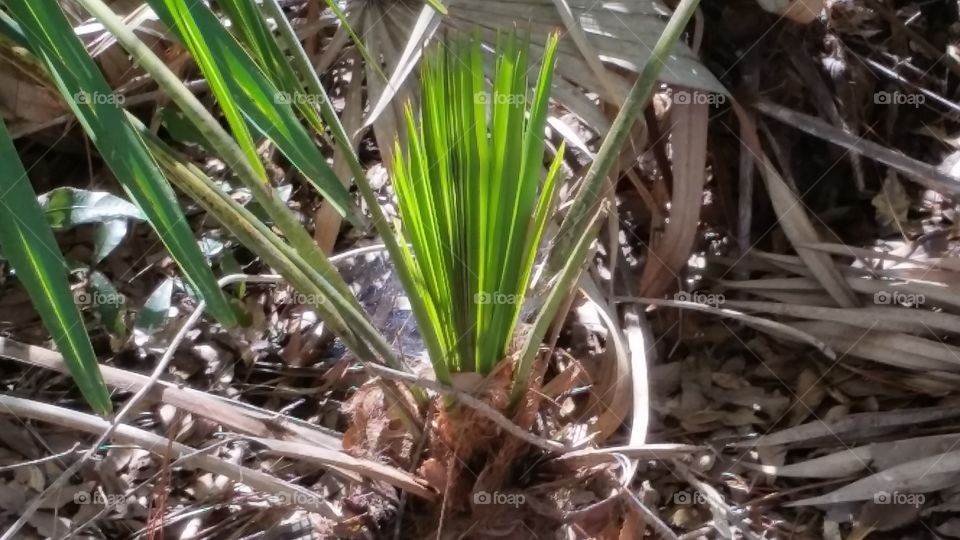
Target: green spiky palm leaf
column 249, row 97
column 472, row 204
column 605, row 43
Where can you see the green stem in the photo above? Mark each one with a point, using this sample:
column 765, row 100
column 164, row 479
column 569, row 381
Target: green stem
column 584, row 214
column 590, row 193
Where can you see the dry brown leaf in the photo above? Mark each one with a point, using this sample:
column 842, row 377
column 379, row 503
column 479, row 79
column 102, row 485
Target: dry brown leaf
column 895, row 349
column 671, row 252
column 793, row 219
column 854, row 426
column 907, row 483
column 875, row 456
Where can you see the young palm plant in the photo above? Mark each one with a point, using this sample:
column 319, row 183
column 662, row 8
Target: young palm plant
column 466, row 285
column 473, row 199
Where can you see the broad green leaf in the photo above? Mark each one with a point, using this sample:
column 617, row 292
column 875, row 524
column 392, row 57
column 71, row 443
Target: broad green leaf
column 244, row 91
column 156, row 309
column 53, row 40
column 108, row 303
column 67, row 206
column 29, row 245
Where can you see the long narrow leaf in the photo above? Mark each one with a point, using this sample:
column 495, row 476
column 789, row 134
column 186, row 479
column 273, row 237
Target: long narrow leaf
column 590, row 193
column 246, row 94
column 340, row 311
column 310, row 259
column 98, row 109
column 252, row 30
column 390, row 237
column 28, row 243
column 574, row 238
column 470, row 200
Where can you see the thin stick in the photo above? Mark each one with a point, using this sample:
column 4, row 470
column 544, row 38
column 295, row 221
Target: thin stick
column 756, row 322
column 130, row 404
column 53, row 457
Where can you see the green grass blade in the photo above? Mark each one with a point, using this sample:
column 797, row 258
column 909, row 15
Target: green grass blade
column 295, row 236
column 246, row 94
column 28, row 243
column 52, row 39
column 251, row 29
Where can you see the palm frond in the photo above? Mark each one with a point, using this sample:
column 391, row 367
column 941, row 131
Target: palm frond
column 621, row 34
column 471, row 201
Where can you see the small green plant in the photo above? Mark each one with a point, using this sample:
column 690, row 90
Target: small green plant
column 472, row 204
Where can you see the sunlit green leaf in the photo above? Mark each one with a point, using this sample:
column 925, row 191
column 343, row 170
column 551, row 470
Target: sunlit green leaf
column 29, row 246
column 66, row 207
column 471, row 201
column 246, row 94
column 98, row 110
